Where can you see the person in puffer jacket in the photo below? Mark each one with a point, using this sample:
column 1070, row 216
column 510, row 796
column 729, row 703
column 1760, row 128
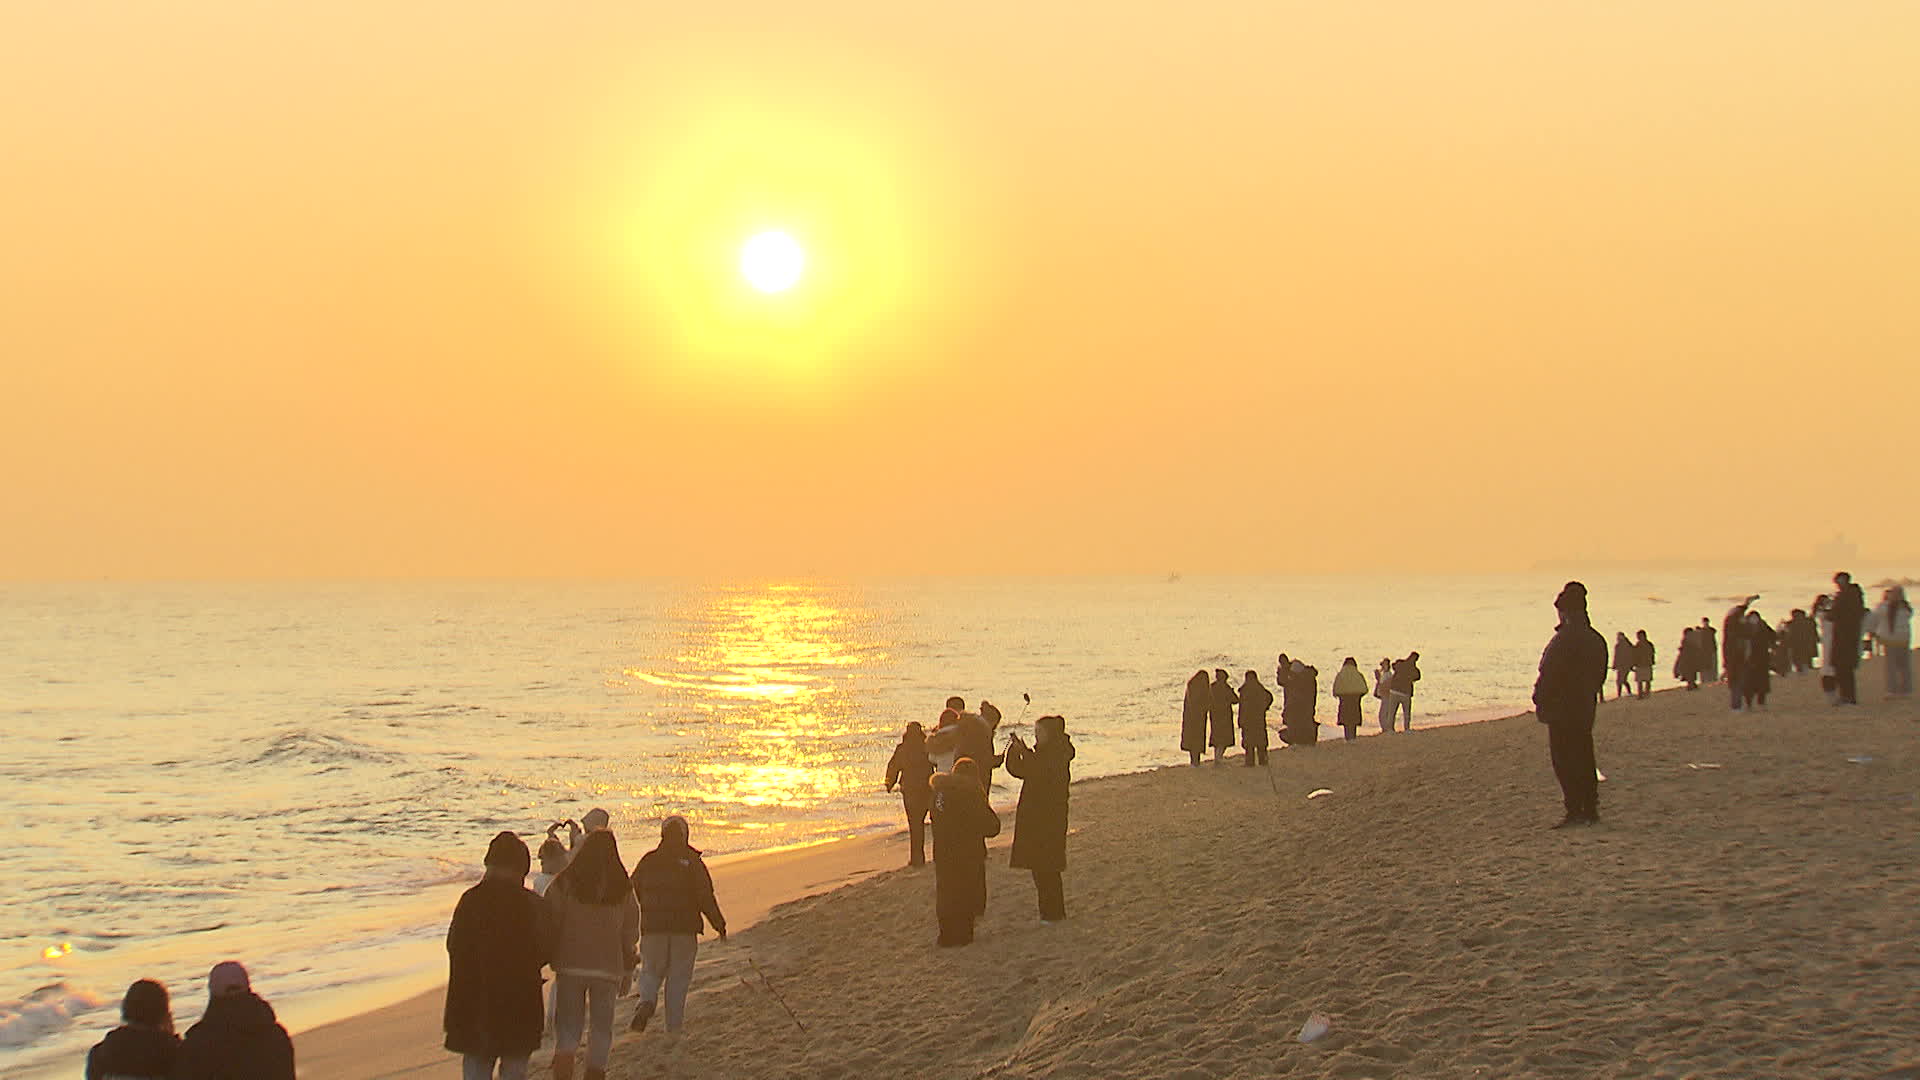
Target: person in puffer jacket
column 144, row 1046
column 676, row 896
column 238, row 1038
column 962, row 821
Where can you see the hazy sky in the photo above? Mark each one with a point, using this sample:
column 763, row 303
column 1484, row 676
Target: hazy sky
column 372, row 288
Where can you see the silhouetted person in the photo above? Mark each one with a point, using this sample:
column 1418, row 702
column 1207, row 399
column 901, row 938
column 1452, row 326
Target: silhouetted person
column 1400, row 693
column 1803, row 640
column 497, row 943
column 675, row 891
column 1349, row 687
column 1892, row 626
column 1220, row 702
column 1643, row 658
column 975, row 739
column 1733, row 650
column 1193, row 716
column 1572, row 669
column 1823, row 619
column 237, row 1037
column 1709, row 653
column 989, row 719
column 962, row 821
column 1756, row 669
column 1686, row 659
column 1622, row 665
column 1040, row 821
column 1255, row 700
column 596, row 938
column 1849, row 612
column 1383, row 690
column 1298, row 727
column 944, row 741
column 144, row 1046
column 912, row 770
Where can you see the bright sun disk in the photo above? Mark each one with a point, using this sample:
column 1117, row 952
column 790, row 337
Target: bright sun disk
column 772, row 262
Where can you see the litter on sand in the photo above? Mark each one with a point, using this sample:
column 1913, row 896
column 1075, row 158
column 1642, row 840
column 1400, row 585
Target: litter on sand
column 1317, row 1025
column 1860, row 759
column 1703, row 764
column 1317, row 792
column 1599, row 777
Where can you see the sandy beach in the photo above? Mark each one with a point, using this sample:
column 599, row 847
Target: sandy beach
column 1744, row 909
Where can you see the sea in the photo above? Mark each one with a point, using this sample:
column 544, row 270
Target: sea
column 304, row 776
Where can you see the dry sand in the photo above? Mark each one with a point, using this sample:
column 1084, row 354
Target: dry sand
column 1754, row 919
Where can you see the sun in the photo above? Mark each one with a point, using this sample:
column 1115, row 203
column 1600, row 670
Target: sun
column 772, row 261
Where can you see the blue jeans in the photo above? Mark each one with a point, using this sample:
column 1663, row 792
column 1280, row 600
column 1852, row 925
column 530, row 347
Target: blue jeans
column 475, row 1067
column 582, row 1002
column 668, row 958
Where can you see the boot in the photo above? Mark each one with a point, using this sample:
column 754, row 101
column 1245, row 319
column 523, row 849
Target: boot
column 563, row 1067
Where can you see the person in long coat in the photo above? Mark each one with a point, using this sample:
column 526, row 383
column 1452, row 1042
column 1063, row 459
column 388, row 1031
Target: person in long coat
column 1756, row 669
column 1040, row 820
column 496, row 945
column 912, row 771
column 1573, row 668
column 1622, row 665
column 1349, row 687
column 962, row 821
column 1298, row 727
column 1220, row 702
column 1255, row 700
column 1733, row 651
column 1193, row 716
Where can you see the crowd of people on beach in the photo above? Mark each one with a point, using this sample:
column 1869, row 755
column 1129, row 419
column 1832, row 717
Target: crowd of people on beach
column 1208, row 712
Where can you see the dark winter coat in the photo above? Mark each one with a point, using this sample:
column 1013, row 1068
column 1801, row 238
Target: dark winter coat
column 1643, row 656
column 1732, row 649
column 675, row 891
column 961, row 822
column 912, row 769
column 1303, row 689
column 1405, row 674
column 1040, row 821
column 129, row 1051
column 1804, row 637
column 1255, row 700
column 1573, row 668
column 1622, row 655
column 238, row 1038
column 1848, row 612
column 496, row 945
column 1193, row 713
column 1220, row 702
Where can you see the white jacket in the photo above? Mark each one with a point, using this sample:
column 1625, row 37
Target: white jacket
column 1893, row 626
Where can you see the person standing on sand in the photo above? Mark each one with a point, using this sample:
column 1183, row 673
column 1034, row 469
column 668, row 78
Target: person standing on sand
column 1220, row 702
column 1383, row 690
column 1709, row 653
column 675, row 892
column 1622, row 665
column 144, row 1046
column 1572, row 668
column 990, row 720
column 1643, row 659
column 1193, row 716
column 962, row 821
column 1756, row 670
column 1892, row 627
column 943, row 744
column 1349, row 686
column 1400, row 691
column 596, row 927
column 1849, row 611
column 1686, row 659
column 1823, row 618
column 1803, row 640
column 1255, row 700
column 912, row 770
column 975, row 738
column 238, row 1036
column 1040, row 820
column 1300, row 728
column 1733, row 651
column 497, row 943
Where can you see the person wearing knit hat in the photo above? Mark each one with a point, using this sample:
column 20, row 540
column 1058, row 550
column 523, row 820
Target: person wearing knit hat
column 496, row 945
column 1573, row 668
column 238, row 1035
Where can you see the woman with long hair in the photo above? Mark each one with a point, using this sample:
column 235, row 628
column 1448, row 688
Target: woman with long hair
column 1892, row 627
column 596, row 926
column 144, row 1044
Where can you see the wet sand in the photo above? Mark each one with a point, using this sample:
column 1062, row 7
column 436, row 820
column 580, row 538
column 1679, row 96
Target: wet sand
column 1749, row 916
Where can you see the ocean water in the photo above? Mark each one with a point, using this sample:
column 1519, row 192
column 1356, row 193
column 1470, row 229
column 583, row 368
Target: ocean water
column 303, row 776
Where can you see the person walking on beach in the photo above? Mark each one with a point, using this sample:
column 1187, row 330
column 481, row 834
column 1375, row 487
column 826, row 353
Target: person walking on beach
column 497, row 943
column 962, row 821
column 1255, row 700
column 1193, row 716
column 1383, row 690
column 1298, row 726
column 1400, row 691
column 1686, row 659
column 1892, row 627
column 1622, row 665
column 1349, row 686
column 1572, row 668
column 1849, row 611
column 1709, row 652
column 596, row 928
column 144, row 1046
column 238, row 1036
column 912, row 770
column 1220, row 702
column 1643, row 664
column 1040, row 819
column 676, row 897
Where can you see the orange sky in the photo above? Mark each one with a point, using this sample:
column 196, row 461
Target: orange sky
column 442, row 289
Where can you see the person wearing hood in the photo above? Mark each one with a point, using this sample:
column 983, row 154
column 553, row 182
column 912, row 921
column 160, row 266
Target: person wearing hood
column 1643, row 659
column 238, row 1036
column 1622, row 665
column 1572, row 669
column 1756, row 669
column 962, row 821
column 144, row 1046
column 1193, row 716
column 1255, row 700
column 1709, row 652
column 912, row 770
column 497, row 943
column 1849, row 611
column 1349, row 686
column 1220, row 702
column 1298, row 726
column 675, row 891
column 1383, row 690
column 1040, row 820
column 1892, row 626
